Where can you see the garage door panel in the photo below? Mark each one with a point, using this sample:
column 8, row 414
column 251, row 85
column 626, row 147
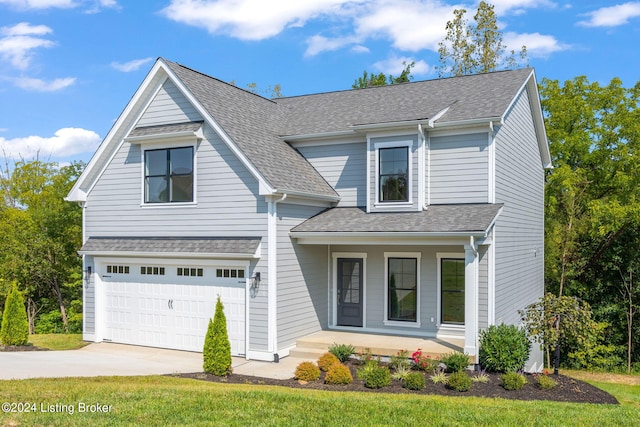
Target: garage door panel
column 147, row 309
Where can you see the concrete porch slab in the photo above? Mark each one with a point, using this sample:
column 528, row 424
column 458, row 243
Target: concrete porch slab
column 383, row 345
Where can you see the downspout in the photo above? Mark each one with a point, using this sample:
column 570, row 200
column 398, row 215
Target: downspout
column 272, row 275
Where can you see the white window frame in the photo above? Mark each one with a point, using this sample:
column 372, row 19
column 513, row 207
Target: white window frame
column 189, row 143
column 394, row 144
column 334, row 287
column 439, row 257
column 418, row 257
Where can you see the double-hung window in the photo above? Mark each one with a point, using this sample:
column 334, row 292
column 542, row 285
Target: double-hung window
column 403, row 294
column 168, row 175
column 452, row 289
column 393, row 174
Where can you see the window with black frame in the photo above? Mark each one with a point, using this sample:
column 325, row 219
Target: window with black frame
column 402, row 286
column 168, row 175
column 393, row 169
column 452, row 290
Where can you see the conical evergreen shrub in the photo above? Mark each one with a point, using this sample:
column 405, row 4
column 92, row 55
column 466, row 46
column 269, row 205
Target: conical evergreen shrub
column 15, row 326
column 217, row 349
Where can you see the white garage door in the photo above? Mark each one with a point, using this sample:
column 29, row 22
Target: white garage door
column 169, row 306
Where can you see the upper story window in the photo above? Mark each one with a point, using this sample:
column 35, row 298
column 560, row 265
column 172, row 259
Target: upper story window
column 168, row 175
column 393, row 179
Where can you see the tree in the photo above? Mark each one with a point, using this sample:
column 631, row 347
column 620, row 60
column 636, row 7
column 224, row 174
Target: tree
column 41, row 235
column 15, row 328
column 555, row 322
column 475, row 48
column 371, row 80
column 217, row 349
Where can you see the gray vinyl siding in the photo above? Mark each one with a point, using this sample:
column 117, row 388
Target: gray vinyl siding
column 459, row 169
column 227, row 204
column 302, row 279
column 519, row 230
column 227, row 200
column 168, row 106
column 344, row 167
column 414, row 175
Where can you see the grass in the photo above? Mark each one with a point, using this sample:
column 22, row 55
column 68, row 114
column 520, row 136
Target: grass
column 57, row 341
column 157, row 400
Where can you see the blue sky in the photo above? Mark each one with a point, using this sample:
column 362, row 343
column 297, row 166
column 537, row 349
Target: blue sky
column 69, row 67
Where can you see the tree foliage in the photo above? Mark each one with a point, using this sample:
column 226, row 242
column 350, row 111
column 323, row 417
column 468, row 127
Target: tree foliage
column 471, row 48
column 562, row 321
column 41, row 235
column 217, row 348
column 381, row 79
column 15, row 327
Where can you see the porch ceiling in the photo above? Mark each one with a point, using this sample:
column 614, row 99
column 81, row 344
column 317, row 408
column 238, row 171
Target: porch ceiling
column 436, row 221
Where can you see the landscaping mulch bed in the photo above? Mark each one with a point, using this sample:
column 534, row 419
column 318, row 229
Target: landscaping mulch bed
column 567, row 390
column 27, row 347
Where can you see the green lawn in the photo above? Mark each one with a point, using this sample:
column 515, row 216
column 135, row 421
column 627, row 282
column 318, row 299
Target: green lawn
column 157, row 400
column 57, row 341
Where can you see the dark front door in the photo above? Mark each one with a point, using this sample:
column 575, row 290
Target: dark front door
column 350, row 291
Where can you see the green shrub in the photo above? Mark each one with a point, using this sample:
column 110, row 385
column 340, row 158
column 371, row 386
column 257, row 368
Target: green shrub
column 399, row 360
column 414, row 381
column 307, row 371
column 459, row 381
column 342, row 351
column 480, row 377
column 377, row 377
column 326, row 361
column 456, row 361
column 15, row 326
column 512, row 381
column 217, row 348
column 545, row 382
column 504, row 348
column 338, row 374
column 49, row 323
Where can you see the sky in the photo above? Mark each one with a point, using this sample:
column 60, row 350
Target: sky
column 69, row 67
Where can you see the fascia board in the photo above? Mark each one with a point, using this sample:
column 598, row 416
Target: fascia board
column 180, row 255
column 76, row 194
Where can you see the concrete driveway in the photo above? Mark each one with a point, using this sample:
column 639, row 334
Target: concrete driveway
column 106, row 359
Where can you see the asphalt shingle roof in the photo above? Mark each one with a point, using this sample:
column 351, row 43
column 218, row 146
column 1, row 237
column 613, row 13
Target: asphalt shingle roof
column 190, row 245
column 253, row 123
column 462, row 218
column 259, row 126
column 165, row 129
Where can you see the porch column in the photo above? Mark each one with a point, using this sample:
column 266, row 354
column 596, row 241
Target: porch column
column 471, row 299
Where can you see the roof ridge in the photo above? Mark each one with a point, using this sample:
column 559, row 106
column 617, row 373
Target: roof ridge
column 370, row 88
column 219, row 80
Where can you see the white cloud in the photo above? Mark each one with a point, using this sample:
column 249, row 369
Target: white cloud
column 134, row 65
column 39, row 85
column 99, row 5
column 66, row 142
column 538, row 45
column 40, row 4
column 318, row 44
column 251, row 19
column 612, row 16
column 394, row 65
column 412, row 25
column 517, row 7
column 20, row 40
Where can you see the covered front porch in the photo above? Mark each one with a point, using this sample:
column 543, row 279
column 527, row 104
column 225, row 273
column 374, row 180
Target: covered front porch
column 406, row 280
column 314, row 345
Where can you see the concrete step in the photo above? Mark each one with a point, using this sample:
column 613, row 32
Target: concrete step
column 309, row 353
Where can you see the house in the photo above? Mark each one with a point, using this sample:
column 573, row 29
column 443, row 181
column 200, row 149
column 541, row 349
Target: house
column 410, row 210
